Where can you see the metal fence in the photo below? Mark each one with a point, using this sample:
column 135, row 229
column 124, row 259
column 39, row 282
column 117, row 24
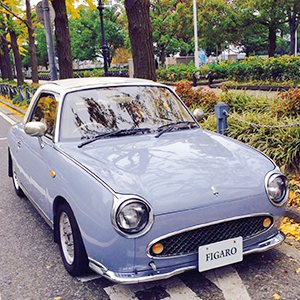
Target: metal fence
column 11, row 92
column 221, row 113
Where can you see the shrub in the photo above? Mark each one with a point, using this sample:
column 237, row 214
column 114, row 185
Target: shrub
column 193, row 98
column 243, row 101
column 176, row 73
column 288, row 103
column 285, row 69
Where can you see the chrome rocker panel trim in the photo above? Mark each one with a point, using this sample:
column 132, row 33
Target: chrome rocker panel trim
column 129, row 278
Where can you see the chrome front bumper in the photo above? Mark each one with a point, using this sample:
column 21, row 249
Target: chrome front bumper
column 152, row 275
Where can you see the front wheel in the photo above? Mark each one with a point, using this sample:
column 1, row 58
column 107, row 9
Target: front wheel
column 16, row 184
column 70, row 242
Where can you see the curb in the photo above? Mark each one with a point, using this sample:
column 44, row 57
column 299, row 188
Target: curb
column 256, row 87
column 217, row 85
column 292, row 213
column 19, row 110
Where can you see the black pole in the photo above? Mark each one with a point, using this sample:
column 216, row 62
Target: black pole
column 104, row 45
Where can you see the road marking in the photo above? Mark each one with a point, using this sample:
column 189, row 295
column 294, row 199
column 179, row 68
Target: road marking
column 119, row 292
column 228, row 280
column 176, row 289
column 5, row 117
column 88, row 278
column 3, row 139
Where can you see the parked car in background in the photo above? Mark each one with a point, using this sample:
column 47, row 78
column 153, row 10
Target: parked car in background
column 134, row 188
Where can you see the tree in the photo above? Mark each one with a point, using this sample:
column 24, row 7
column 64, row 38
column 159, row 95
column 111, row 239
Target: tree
column 31, row 28
column 121, row 56
column 6, row 66
column 83, row 31
column 15, row 48
column 162, row 14
column 63, row 41
column 41, row 46
column 293, row 14
column 270, row 14
column 219, row 22
column 5, row 62
column 140, row 33
column 86, row 30
column 182, row 23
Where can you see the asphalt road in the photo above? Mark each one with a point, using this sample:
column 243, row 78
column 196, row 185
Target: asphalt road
column 31, row 267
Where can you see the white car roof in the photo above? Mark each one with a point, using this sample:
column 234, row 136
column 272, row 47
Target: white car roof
column 79, row 83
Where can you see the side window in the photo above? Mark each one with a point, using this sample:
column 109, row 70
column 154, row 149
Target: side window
column 46, row 111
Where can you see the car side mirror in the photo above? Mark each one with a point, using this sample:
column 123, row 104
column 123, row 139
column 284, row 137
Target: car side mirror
column 35, row 128
column 198, row 114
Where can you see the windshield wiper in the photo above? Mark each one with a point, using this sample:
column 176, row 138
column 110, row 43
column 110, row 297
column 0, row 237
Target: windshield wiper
column 171, row 126
column 115, row 133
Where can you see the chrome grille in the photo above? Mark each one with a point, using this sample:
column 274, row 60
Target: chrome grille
column 189, row 241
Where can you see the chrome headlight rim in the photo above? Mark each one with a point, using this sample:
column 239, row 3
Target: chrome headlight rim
column 120, row 202
column 271, row 176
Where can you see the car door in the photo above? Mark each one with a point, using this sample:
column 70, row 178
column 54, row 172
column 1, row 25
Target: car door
column 36, row 155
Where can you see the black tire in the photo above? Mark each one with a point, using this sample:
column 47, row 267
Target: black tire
column 16, row 184
column 71, row 245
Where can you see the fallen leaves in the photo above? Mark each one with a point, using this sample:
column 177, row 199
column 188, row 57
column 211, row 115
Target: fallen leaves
column 294, row 197
column 276, row 296
column 290, row 228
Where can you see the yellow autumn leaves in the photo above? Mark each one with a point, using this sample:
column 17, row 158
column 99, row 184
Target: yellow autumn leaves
column 291, row 229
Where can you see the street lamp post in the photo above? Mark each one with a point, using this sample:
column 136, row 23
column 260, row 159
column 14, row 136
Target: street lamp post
column 196, row 53
column 49, row 39
column 296, row 40
column 105, row 51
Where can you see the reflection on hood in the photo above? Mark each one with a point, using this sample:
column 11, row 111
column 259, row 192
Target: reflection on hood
column 178, row 169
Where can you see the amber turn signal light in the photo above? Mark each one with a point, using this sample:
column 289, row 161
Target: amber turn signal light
column 157, row 248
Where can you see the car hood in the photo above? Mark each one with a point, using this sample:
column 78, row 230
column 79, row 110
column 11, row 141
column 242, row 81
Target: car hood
column 177, row 171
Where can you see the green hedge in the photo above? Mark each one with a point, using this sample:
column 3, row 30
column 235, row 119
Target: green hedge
column 284, row 70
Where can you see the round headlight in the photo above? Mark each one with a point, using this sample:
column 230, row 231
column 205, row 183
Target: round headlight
column 277, row 187
column 132, row 216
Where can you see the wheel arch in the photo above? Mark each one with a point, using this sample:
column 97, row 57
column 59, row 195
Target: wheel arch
column 10, row 167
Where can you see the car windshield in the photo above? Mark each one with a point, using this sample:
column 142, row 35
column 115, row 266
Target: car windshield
column 90, row 113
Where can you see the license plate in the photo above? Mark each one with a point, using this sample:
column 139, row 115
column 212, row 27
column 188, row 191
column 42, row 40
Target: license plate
column 220, row 254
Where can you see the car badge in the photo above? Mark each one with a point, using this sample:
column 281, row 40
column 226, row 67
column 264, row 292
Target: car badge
column 215, row 192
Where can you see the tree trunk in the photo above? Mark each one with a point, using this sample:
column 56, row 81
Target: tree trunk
column 293, row 24
column 32, row 47
column 63, row 40
column 140, row 34
column 162, row 54
column 272, row 42
column 2, row 65
column 6, row 66
column 17, row 56
column 282, row 49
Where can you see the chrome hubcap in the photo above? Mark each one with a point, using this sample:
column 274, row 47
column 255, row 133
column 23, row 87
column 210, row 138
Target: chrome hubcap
column 66, row 238
column 16, row 182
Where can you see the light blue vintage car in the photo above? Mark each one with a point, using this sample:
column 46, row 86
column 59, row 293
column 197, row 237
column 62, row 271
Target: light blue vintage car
column 134, row 188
